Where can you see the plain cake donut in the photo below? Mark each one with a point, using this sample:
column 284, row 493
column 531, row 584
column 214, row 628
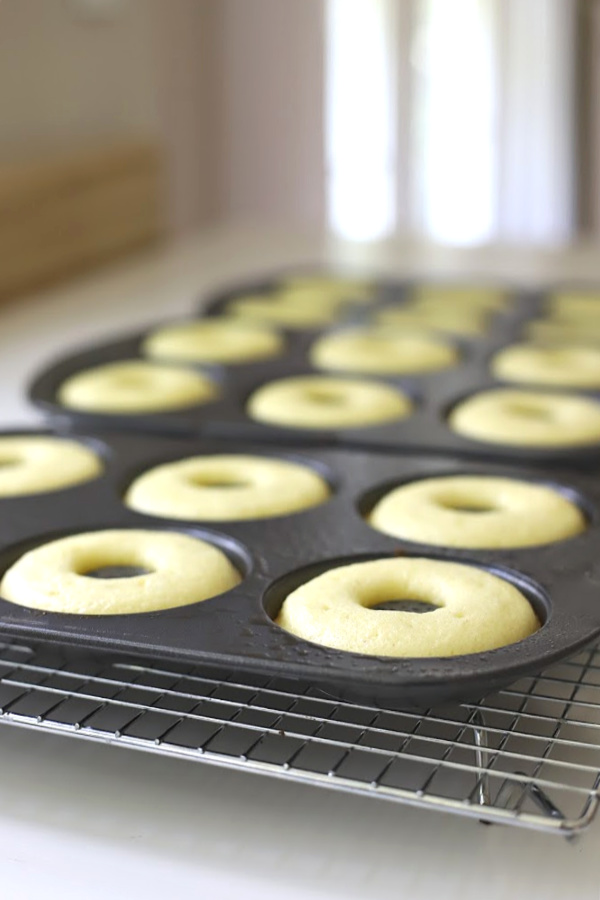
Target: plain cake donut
column 315, row 401
column 477, row 511
column 334, row 295
column 301, row 303
column 549, row 331
column 227, row 488
column 464, row 296
column 475, row 611
column 528, row 418
column 352, row 290
column 567, row 365
column 379, row 350
column 465, row 322
column 575, row 305
column 177, row 570
column 290, row 311
column 135, row 386
column 35, row 464
column 214, row 341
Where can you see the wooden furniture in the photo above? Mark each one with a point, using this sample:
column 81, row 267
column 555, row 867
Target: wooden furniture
column 63, row 212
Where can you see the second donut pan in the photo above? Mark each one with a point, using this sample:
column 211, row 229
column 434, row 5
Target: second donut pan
column 235, row 631
column 426, row 429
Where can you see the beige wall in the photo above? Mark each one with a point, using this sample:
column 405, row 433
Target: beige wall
column 188, row 114
column 271, row 106
column 62, row 76
column 231, row 88
column 589, row 110
column 146, row 70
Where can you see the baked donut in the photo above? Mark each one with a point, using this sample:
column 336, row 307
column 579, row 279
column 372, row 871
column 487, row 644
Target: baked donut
column 468, row 322
column 134, row 386
column 475, row 611
column 551, row 331
column 315, row 401
column 227, row 488
column 287, row 312
column 566, row 365
column 477, row 511
column 575, row 305
column 380, row 350
column 465, row 296
column 36, row 464
column 333, row 292
column 213, row 341
column 333, row 285
column 177, row 570
column 528, row 418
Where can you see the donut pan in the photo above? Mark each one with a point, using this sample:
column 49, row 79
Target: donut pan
column 385, row 290
column 235, row 630
column 426, row 429
column 522, row 304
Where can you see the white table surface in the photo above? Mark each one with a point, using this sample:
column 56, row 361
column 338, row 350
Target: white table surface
column 79, row 819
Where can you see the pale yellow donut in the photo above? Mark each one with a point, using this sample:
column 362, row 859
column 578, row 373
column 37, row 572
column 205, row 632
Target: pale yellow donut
column 581, row 317
column 134, row 386
column 567, row 366
column 477, row 511
column 287, row 313
column 454, row 321
column 551, row 331
column 227, row 488
column 181, row 570
column 213, row 341
column 314, row 401
column 575, row 305
column 468, row 296
column 340, row 283
column 528, row 418
column 380, row 350
column 311, row 290
column 35, row 464
column 476, row 611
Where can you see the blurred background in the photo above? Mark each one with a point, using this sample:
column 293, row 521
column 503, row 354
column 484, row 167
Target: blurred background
column 129, row 122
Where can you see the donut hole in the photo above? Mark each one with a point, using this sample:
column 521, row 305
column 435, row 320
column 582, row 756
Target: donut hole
column 219, row 482
column 324, row 397
column 133, row 381
column 531, row 411
column 9, row 461
column 395, row 596
column 406, row 605
column 115, row 565
column 465, row 503
column 467, row 508
column 117, row 572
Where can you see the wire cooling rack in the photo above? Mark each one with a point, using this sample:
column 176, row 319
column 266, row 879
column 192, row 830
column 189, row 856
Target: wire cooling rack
column 528, row 755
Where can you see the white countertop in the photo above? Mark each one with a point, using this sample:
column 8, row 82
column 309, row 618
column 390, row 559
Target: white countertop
column 79, row 819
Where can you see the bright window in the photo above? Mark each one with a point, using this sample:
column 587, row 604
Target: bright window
column 455, row 120
column 360, row 118
column 486, row 124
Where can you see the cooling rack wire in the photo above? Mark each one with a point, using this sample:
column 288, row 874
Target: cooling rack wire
column 527, row 756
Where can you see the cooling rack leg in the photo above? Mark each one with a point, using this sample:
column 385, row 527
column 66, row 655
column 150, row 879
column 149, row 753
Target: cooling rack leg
column 481, row 759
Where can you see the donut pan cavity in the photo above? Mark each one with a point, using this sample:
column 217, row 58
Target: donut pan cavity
column 236, row 631
column 426, row 429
